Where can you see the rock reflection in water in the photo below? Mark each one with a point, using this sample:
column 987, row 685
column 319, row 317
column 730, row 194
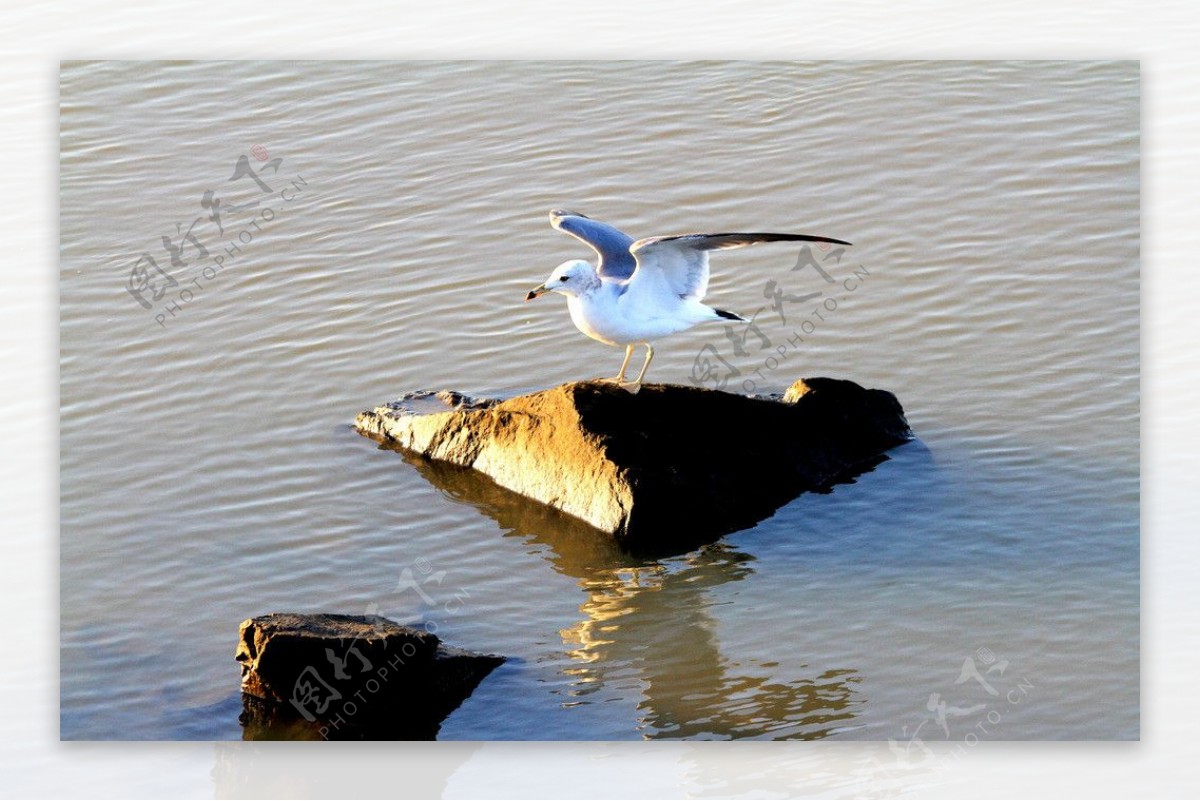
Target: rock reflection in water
column 646, row 625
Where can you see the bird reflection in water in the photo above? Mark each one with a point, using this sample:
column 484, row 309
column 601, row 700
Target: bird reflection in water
column 647, row 629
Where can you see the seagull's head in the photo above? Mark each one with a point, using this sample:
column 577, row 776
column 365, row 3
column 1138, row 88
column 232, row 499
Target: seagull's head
column 572, row 277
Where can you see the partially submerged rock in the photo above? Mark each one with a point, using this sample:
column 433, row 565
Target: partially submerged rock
column 667, row 464
column 350, row 677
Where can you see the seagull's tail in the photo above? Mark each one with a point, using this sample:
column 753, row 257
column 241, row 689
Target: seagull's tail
column 728, row 315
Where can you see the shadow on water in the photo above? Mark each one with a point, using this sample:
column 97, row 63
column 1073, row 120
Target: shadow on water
column 656, row 621
column 647, row 629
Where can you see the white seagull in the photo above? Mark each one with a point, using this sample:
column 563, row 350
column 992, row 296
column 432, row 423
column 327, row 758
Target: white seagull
column 641, row 291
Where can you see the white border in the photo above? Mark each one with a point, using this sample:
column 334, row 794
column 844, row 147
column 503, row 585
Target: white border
column 36, row 36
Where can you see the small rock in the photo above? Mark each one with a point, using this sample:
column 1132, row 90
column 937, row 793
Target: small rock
column 350, row 677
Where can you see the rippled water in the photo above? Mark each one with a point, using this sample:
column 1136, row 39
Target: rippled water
column 985, row 574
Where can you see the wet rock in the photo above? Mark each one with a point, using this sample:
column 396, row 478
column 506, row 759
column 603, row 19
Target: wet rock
column 668, row 464
column 350, row 677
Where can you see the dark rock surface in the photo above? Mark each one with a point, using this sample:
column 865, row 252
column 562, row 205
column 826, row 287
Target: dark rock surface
column 350, row 677
column 669, row 463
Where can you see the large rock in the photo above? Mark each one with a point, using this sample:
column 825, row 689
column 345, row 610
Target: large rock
column 350, row 677
column 668, row 464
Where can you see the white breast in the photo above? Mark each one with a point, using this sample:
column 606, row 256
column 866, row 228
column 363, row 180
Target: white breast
column 590, row 318
column 615, row 319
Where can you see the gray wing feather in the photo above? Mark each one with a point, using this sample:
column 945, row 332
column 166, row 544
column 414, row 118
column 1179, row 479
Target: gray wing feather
column 683, row 260
column 610, row 244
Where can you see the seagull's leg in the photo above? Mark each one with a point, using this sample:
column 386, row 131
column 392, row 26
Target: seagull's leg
column 620, row 379
column 636, row 384
column 625, row 364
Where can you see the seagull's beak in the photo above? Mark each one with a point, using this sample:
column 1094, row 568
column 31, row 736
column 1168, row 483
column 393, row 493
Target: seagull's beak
column 537, row 290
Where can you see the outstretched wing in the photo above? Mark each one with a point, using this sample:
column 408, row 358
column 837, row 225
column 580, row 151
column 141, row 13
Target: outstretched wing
column 679, row 264
column 611, row 245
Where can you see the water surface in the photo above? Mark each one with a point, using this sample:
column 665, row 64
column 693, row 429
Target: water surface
column 987, row 570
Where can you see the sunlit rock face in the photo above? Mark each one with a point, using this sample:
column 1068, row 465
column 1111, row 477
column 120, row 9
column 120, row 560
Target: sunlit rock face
column 658, row 467
column 336, row 677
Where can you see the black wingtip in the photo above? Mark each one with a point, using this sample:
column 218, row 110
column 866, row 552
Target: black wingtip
column 771, row 237
column 833, row 241
column 761, row 236
column 728, row 315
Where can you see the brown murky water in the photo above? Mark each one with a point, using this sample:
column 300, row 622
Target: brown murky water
column 391, row 220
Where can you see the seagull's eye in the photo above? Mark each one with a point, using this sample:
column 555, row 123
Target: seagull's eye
column 564, row 278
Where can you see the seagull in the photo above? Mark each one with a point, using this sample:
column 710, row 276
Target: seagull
column 641, row 291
